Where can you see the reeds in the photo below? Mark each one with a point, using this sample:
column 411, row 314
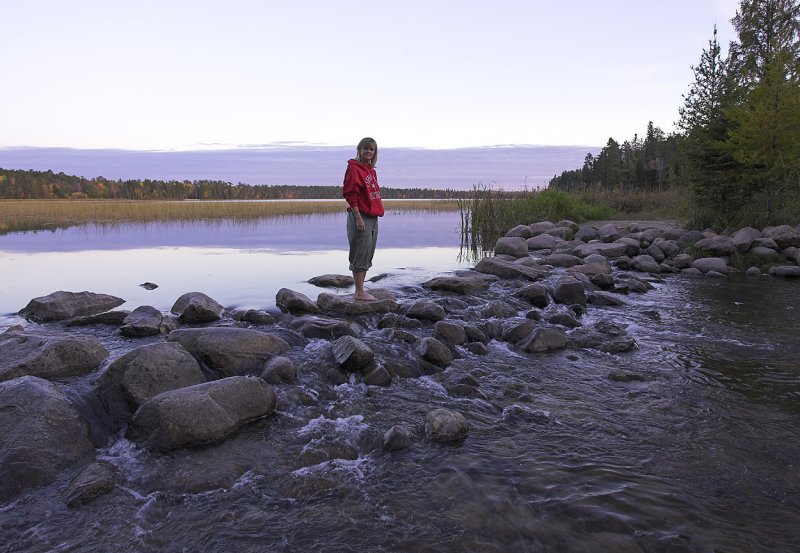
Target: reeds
column 23, row 215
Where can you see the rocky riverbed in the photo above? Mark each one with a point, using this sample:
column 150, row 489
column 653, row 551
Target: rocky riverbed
column 80, row 376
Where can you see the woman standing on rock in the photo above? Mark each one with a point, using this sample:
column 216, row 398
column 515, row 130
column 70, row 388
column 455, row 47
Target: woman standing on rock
column 363, row 197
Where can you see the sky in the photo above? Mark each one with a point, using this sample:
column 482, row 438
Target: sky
column 437, row 74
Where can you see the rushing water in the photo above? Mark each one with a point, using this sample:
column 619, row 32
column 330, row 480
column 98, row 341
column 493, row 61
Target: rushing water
column 700, row 455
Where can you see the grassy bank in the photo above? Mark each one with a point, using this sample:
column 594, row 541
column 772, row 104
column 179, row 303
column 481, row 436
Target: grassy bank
column 21, row 215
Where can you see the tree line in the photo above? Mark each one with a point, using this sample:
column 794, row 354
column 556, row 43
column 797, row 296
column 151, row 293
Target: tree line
column 29, row 184
column 736, row 150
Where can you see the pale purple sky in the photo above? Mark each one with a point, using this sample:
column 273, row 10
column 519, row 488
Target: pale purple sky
column 185, row 75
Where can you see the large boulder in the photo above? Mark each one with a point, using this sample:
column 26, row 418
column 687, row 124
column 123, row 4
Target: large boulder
column 230, row 351
column 715, row 246
column 586, row 233
column 66, row 305
column 142, row 374
column 543, row 242
column 142, row 321
column 535, row 293
column 521, row 231
column 445, row 426
column 784, row 236
column 42, row 434
column 290, row 301
column 94, row 480
column 646, row 264
column 196, row 307
column 348, row 305
column 351, row 353
column 604, row 335
column 743, row 238
column 540, row 227
column 461, row 284
column 568, row 290
column 48, row 356
column 508, row 269
column 450, row 332
column 544, row 339
column 610, row 232
column 312, row 326
column 332, row 281
column 201, row 414
column 434, row 351
column 511, row 245
column 426, row 311
column 562, row 260
column 706, row 264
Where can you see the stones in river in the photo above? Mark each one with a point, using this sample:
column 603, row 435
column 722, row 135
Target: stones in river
column 397, row 437
column 63, row 305
column 569, row 290
column 426, row 311
column 351, row 353
column 196, row 307
column 446, row 426
column 435, row 352
column 111, row 318
column 514, row 246
column 279, row 370
column 48, row 356
column 457, row 284
column 604, row 335
column 142, row 321
column 290, row 301
column 201, row 414
column 544, row 339
column 94, row 480
column 508, row 269
column 785, row 271
column 384, row 303
column 706, row 264
column 312, row 326
column 332, row 281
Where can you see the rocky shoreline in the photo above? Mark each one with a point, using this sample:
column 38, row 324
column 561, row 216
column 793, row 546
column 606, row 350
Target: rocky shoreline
column 196, row 375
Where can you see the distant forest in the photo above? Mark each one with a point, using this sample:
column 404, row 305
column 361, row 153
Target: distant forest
column 23, row 185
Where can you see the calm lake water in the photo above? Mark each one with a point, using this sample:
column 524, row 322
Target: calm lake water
column 700, row 455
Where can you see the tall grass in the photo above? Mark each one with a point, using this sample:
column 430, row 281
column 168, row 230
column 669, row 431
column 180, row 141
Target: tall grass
column 21, row 215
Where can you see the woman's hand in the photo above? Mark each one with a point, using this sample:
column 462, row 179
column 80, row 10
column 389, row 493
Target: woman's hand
column 359, row 222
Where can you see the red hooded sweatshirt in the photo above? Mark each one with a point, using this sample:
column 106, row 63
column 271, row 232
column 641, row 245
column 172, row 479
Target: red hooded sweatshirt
column 361, row 189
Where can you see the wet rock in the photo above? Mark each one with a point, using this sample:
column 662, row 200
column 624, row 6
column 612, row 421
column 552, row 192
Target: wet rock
column 603, row 281
column 753, row 272
column 351, row 353
column 475, row 334
column 435, row 352
column 514, row 414
column 397, row 437
column 295, row 303
column 254, row 316
column 142, row 374
column 515, row 330
column 201, row 414
column 646, row 264
column 497, row 309
column 593, row 264
column 785, row 271
column 478, row 348
column 279, row 370
column 402, row 368
column 149, row 285
column 632, row 246
column 385, row 303
column 508, row 269
column 42, row 434
column 449, row 332
column 544, row 339
column 784, row 236
column 395, row 320
column 626, row 376
column 312, row 326
column 513, row 246
column 457, row 284
column 446, row 426
column 378, row 376
column 93, row 481
column 682, row 261
column 535, row 294
column 111, row 318
column 604, row 335
column 332, row 281
column 426, row 311
column 563, row 319
column 143, row 321
column 230, row 351
column 66, row 305
column 542, row 242
column 656, row 253
column 196, row 307
column 607, row 300
column 562, row 260
column 48, row 356
column 568, row 290
column 400, row 335
column 706, row 264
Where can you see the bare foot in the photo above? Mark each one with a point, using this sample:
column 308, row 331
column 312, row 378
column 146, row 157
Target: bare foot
column 364, row 296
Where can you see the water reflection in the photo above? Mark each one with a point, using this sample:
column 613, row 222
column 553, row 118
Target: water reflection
column 237, row 263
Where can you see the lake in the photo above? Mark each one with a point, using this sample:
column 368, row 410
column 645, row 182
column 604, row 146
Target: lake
column 698, row 454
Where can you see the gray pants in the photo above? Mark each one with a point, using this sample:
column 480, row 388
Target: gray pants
column 362, row 244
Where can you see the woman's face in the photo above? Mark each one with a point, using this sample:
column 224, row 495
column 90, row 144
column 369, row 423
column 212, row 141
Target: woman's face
column 367, row 153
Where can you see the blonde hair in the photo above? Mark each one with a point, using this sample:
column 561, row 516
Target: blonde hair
column 363, row 144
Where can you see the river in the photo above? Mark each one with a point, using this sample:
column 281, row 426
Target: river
column 699, row 455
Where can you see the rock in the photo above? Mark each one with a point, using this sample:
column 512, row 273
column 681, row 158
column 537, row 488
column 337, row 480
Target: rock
column 607, row 250
column 784, row 236
column 111, row 318
column 604, row 335
column 716, row 274
column 646, row 264
column 66, row 305
column 326, row 328
column 477, row 348
column 397, row 437
column 230, row 351
column 42, row 434
column 520, row 231
column 715, row 246
column 656, row 253
column 508, row 269
column 594, row 264
column 434, row 351
column 669, row 247
column 691, row 238
column 395, row 320
column 332, row 281
column 497, row 309
column 402, row 369
column 143, row 321
column 449, row 332
column 632, row 246
column 626, row 376
column 143, row 373
column 378, row 376
column 767, row 253
column 351, row 353
column 785, row 271
column 149, row 285
column 603, row 281
column 426, row 311
column 566, row 223
column 196, row 307
column 744, row 237
column 562, row 260
column 607, row 300
column 568, row 290
column 542, row 242
column 764, row 243
column 349, row 306
column 254, row 316
column 706, row 264
column 48, row 356
column 520, row 414
column 535, row 293
column 94, row 480
column 753, row 272
column 544, row 339
column 513, row 246
column 540, row 227
column 516, row 330
column 586, row 233
column 279, row 370
column 457, row 284
column 682, row 261
column 201, row 414
column 295, row 303
column 445, row 426
column 563, row 319
column 610, row 232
